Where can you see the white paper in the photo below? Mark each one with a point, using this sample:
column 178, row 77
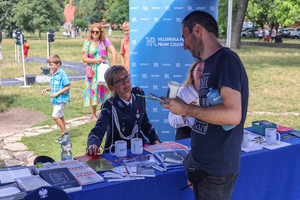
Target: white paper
column 252, row 147
column 259, row 140
column 10, row 175
column 8, row 191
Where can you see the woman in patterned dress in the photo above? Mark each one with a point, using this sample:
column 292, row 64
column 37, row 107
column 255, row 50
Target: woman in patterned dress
column 94, row 51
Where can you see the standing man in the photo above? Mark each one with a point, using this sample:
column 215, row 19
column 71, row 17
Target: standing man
column 213, row 163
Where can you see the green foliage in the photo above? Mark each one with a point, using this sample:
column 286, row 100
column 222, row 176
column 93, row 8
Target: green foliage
column 117, row 11
column 90, row 9
column 82, row 23
column 97, row 17
column 286, row 12
column 66, row 2
column 31, row 15
column 7, row 20
column 222, row 15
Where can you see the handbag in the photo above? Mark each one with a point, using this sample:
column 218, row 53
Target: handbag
column 101, row 69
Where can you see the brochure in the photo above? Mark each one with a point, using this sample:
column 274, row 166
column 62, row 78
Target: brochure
column 8, row 174
column 29, row 183
column 61, row 178
column 96, row 162
column 166, row 146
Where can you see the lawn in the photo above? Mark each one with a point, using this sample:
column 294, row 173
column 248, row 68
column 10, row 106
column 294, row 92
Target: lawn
column 273, row 73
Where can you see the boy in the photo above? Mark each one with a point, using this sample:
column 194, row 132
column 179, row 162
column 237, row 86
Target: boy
column 59, row 87
column 125, row 46
column 25, row 48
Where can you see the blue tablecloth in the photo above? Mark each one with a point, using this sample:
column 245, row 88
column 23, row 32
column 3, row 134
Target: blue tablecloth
column 264, row 175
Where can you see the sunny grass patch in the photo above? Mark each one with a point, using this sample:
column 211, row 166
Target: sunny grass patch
column 44, row 144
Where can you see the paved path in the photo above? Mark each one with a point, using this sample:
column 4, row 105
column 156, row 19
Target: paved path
column 78, row 67
column 13, row 152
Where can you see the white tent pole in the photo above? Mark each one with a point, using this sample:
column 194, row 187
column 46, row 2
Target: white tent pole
column 228, row 41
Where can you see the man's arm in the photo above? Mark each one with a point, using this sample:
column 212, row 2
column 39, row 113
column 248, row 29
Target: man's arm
column 227, row 113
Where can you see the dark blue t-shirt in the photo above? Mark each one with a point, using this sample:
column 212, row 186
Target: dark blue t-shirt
column 212, row 149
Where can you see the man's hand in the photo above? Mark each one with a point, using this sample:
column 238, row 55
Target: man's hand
column 177, row 106
column 92, row 150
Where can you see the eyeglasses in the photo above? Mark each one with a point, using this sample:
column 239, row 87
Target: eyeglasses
column 121, row 81
column 97, row 32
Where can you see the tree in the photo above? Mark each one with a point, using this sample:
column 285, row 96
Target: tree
column 31, row 15
column 238, row 15
column 7, row 20
column 92, row 10
column 117, row 11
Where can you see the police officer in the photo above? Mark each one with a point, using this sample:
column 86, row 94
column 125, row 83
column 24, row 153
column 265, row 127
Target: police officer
column 123, row 116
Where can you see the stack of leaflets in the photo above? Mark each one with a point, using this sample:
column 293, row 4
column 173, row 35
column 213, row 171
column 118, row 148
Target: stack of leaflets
column 11, row 191
column 125, row 173
column 83, row 174
column 30, row 183
column 146, row 160
column 169, row 154
column 8, row 174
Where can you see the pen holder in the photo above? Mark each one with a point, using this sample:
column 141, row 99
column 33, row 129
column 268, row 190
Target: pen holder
column 261, row 125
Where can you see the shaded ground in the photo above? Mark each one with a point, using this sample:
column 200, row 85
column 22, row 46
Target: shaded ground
column 17, row 119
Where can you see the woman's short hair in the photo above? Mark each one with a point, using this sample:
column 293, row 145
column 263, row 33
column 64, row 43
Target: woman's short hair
column 54, row 59
column 101, row 29
column 125, row 26
column 189, row 79
column 110, row 72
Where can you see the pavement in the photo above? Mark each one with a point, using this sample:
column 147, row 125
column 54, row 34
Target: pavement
column 78, row 67
column 13, row 152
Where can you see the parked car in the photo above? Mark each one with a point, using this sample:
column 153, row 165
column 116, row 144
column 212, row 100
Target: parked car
column 249, row 33
column 285, row 32
column 295, row 34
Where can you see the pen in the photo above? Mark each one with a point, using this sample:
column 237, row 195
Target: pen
column 186, row 187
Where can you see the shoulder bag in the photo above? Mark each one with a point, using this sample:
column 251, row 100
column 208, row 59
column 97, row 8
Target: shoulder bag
column 101, row 69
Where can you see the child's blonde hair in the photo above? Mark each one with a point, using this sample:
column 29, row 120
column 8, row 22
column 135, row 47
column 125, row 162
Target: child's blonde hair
column 54, row 59
column 125, row 26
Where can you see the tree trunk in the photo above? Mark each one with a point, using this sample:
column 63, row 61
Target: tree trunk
column 39, row 33
column 238, row 16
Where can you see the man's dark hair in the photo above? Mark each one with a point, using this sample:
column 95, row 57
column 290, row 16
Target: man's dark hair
column 202, row 18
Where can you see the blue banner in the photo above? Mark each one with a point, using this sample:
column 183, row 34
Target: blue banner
column 156, row 50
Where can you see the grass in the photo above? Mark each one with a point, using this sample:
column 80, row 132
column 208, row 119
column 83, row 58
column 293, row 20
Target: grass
column 273, row 73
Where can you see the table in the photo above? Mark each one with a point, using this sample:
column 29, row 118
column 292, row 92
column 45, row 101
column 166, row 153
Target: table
column 270, row 174
column 264, row 175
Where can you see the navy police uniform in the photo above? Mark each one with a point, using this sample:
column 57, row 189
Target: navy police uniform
column 128, row 116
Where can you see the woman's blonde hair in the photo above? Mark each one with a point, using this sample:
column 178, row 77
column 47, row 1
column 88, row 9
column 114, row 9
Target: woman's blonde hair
column 189, row 79
column 101, row 29
column 125, row 26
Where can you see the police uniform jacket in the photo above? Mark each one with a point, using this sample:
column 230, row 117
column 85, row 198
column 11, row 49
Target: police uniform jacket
column 128, row 116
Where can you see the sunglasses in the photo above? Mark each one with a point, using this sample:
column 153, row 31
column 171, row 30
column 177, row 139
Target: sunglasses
column 121, row 81
column 97, row 32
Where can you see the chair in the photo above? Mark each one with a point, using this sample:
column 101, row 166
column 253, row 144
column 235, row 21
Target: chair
column 47, row 193
column 42, row 159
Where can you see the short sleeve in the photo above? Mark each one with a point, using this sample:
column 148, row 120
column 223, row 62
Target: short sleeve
column 65, row 79
column 107, row 43
column 85, row 47
column 122, row 49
